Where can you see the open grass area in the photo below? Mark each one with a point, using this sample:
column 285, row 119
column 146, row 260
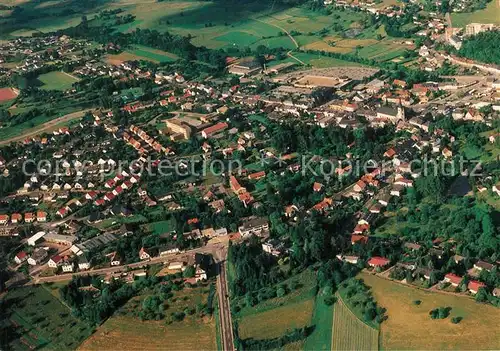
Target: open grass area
column 161, row 227
column 57, row 81
column 410, row 327
column 274, row 317
column 276, row 322
column 322, row 320
column 33, row 318
column 351, row 333
column 491, row 14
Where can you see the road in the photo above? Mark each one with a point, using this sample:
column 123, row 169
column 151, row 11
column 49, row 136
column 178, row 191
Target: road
column 45, row 127
column 209, row 249
column 226, row 322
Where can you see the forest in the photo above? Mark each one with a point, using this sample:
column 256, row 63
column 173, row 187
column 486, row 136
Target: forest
column 483, row 47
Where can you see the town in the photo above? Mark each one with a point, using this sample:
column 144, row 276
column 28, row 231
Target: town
column 238, row 172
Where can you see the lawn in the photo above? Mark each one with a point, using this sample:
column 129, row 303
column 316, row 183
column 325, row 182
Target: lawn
column 351, row 333
column 491, row 14
column 128, row 332
column 57, row 81
column 38, row 319
column 410, row 327
column 161, row 227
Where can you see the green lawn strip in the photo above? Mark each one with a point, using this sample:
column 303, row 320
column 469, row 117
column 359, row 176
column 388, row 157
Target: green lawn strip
column 322, row 321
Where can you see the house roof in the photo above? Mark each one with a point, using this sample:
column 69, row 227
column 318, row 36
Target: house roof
column 21, row 255
column 378, row 261
column 475, row 285
column 453, row 278
column 56, row 259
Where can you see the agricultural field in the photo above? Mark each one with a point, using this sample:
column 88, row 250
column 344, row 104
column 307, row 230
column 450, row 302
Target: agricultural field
column 491, row 14
column 57, row 81
column 34, row 317
column 7, row 94
column 140, row 52
column 409, row 326
column 126, row 331
column 351, row 333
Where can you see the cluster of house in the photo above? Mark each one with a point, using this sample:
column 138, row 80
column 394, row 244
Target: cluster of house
column 381, row 263
column 28, row 217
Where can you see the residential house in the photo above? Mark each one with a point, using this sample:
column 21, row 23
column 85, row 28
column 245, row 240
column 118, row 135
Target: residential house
column 20, row 257
column 453, row 279
column 480, row 265
column 83, row 263
column 474, row 286
column 254, row 226
column 37, row 257
column 168, row 250
column 143, row 255
column 55, row 261
column 378, row 261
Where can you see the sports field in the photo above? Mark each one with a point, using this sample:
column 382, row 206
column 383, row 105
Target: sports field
column 57, row 81
column 140, row 52
column 7, row 94
column 351, row 333
column 409, row 326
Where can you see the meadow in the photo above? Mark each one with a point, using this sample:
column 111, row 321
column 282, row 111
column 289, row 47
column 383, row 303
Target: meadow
column 140, row 52
column 351, row 333
column 126, row 331
column 34, row 317
column 409, row 326
column 57, row 81
column 299, row 308
column 219, row 25
column 491, row 14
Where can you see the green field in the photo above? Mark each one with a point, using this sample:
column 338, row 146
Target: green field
column 491, row 14
column 322, row 320
column 351, row 333
column 161, row 227
column 33, row 318
column 409, row 326
column 317, row 61
column 56, row 81
column 299, row 308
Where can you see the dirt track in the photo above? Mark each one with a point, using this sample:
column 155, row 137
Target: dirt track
column 45, row 126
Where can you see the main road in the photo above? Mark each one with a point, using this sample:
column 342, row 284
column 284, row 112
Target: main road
column 226, row 323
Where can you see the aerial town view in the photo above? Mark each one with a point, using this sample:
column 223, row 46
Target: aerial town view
column 249, row 175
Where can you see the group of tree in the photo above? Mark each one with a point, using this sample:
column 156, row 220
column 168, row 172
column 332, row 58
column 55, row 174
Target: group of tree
column 483, row 47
